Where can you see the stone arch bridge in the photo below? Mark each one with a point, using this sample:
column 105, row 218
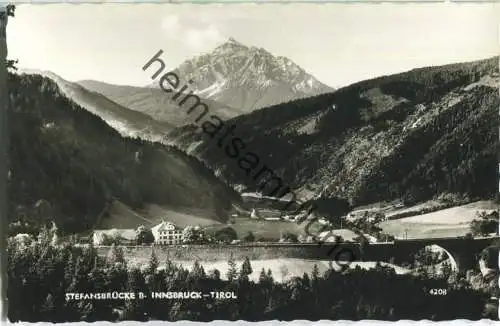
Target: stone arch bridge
column 464, row 253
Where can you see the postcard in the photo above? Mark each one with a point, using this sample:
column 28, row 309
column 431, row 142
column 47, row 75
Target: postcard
column 255, row 162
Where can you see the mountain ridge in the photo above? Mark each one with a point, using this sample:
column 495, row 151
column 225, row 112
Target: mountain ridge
column 222, row 82
column 127, row 122
column 153, row 102
column 266, row 79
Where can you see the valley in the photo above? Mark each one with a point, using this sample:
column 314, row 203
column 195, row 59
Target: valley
column 371, row 128
column 339, row 165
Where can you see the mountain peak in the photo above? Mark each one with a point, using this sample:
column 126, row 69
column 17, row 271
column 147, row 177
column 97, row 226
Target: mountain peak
column 248, row 77
column 233, row 41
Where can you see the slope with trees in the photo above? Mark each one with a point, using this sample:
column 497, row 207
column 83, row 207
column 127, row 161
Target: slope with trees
column 409, row 136
column 71, row 159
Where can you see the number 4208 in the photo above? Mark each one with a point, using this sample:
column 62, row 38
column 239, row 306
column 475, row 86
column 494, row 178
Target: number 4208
column 438, row 291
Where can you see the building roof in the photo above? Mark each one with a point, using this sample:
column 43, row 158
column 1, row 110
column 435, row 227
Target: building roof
column 164, row 225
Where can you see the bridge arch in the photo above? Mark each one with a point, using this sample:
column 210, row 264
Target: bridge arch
column 463, row 253
column 454, row 262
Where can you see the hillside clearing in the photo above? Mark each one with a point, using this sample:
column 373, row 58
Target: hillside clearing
column 180, row 216
column 122, row 216
column 450, row 222
column 260, row 228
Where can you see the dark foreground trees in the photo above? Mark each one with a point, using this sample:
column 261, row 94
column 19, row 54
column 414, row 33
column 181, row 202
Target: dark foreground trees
column 41, row 275
column 484, row 224
column 144, row 236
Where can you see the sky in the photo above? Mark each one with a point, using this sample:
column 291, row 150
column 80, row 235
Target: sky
column 337, row 43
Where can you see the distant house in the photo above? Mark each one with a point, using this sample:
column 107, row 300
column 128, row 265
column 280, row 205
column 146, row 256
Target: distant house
column 167, row 233
column 118, row 236
column 273, row 219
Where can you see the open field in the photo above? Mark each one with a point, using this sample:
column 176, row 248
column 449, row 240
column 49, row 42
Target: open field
column 450, row 222
column 346, row 234
column 266, row 229
column 123, row 217
column 394, row 212
column 179, row 216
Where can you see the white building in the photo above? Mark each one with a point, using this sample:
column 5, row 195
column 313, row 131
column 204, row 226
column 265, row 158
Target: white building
column 167, row 233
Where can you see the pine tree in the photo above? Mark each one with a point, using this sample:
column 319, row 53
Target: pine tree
column 245, row 270
column 270, row 276
column 69, row 269
column 232, row 272
column 176, row 311
column 79, row 276
column 115, row 255
column 48, row 308
column 198, row 272
column 153, row 262
column 306, row 281
column 135, row 310
column 315, row 279
column 215, row 274
column 296, row 290
column 329, row 271
column 262, row 276
column 85, row 310
column 315, row 273
column 284, row 272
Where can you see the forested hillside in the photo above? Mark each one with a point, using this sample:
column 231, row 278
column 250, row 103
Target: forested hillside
column 409, row 136
column 74, row 162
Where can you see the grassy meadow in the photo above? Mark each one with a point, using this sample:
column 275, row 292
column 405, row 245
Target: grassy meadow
column 449, row 222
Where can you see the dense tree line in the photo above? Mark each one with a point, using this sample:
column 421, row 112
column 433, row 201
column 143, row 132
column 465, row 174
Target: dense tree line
column 41, row 273
column 485, row 224
column 63, row 154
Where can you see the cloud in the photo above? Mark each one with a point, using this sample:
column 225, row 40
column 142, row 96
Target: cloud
column 195, row 32
column 197, row 39
column 171, row 25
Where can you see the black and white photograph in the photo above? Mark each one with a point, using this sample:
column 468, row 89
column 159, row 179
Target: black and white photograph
column 249, row 162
